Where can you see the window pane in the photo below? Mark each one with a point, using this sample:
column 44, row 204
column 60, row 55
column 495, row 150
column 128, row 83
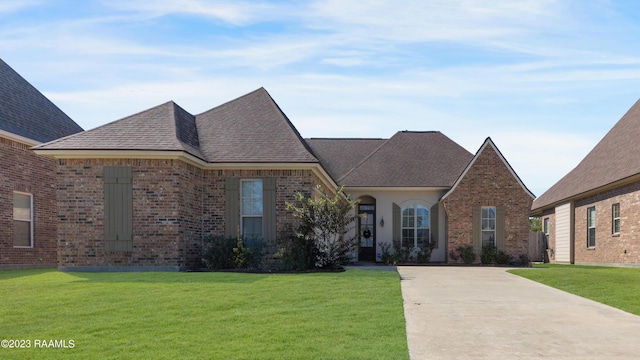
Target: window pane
column 252, row 228
column 21, row 207
column 591, row 237
column 21, row 233
column 407, row 238
column 422, row 217
column 251, row 197
column 488, row 238
column 591, row 217
column 616, row 210
column 616, row 225
column 423, row 238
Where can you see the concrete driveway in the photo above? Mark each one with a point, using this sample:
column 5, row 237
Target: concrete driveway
column 486, row 313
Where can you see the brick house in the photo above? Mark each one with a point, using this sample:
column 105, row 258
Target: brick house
column 592, row 214
column 142, row 193
column 27, row 181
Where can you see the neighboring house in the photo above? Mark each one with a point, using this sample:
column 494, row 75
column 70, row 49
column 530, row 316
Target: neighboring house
column 143, row 192
column 27, row 181
column 592, row 215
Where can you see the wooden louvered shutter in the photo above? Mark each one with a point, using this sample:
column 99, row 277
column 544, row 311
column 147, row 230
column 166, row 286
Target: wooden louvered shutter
column 269, row 208
column 118, row 208
column 433, row 223
column 397, row 224
column 232, row 207
column 476, row 229
column 500, row 227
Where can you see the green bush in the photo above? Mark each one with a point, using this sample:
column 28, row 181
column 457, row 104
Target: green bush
column 232, row 253
column 489, row 254
column 467, row 254
column 295, row 252
column 503, row 258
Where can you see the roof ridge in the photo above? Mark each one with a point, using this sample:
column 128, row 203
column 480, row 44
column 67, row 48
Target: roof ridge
column 328, row 138
column 233, row 100
column 386, row 141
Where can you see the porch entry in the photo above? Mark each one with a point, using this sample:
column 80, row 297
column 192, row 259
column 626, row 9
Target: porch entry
column 367, row 232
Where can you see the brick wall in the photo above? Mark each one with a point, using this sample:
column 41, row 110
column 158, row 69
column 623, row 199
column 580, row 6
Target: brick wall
column 22, row 170
column 622, row 248
column 489, row 183
column 175, row 205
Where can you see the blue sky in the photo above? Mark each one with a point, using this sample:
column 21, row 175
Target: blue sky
column 545, row 79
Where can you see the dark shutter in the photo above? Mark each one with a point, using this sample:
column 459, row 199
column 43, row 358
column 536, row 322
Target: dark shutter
column 500, row 227
column 118, row 208
column 269, row 208
column 434, row 224
column 232, row 207
column 476, row 229
column 397, row 224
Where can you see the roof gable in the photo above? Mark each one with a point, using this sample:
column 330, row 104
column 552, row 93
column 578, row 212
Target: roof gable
column 613, row 159
column 26, row 112
column 251, row 129
column 488, row 143
column 410, row 159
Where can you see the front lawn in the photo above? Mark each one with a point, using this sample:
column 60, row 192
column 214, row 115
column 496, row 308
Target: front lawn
column 355, row 314
column 614, row 286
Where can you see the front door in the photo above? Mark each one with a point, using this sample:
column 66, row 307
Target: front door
column 367, row 232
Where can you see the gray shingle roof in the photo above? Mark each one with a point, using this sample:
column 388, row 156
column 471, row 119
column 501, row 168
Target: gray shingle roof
column 164, row 127
column 408, row 159
column 338, row 156
column 614, row 158
column 251, row 128
column 24, row 111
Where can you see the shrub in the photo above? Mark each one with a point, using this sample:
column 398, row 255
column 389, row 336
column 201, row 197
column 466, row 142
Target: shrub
column 524, row 260
column 326, row 221
column 467, row 254
column 232, row 253
column 387, row 256
column 489, row 254
column 503, row 258
column 295, row 252
column 218, row 252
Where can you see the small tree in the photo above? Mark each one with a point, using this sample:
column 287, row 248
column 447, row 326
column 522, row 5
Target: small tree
column 327, row 220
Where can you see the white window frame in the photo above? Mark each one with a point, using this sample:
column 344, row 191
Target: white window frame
column 546, row 224
column 254, row 216
column 415, row 226
column 615, row 218
column 488, row 219
column 30, row 220
column 591, row 242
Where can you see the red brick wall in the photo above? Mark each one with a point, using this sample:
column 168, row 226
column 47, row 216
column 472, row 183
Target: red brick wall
column 22, row 170
column 175, row 206
column 622, row 248
column 489, row 183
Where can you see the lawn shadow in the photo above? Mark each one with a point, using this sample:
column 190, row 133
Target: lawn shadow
column 14, row 274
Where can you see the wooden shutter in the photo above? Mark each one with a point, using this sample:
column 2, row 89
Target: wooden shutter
column 397, row 224
column 118, row 208
column 232, row 207
column 476, row 229
column 500, row 227
column 433, row 223
column 269, row 208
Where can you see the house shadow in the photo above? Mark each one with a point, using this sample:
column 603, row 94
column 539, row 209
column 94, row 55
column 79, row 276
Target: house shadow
column 6, row 274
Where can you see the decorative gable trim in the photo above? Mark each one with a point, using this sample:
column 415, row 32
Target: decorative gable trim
column 488, row 142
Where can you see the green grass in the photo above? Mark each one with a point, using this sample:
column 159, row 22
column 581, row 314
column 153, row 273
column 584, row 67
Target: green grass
column 614, row 286
column 356, row 314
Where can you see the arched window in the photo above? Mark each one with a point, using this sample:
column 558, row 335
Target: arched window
column 415, row 226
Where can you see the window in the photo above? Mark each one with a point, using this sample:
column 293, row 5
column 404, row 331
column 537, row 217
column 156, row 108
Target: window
column 615, row 218
column 488, row 226
column 415, row 227
column 251, row 209
column 22, row 220
column 591, row 227
column 545, row 227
